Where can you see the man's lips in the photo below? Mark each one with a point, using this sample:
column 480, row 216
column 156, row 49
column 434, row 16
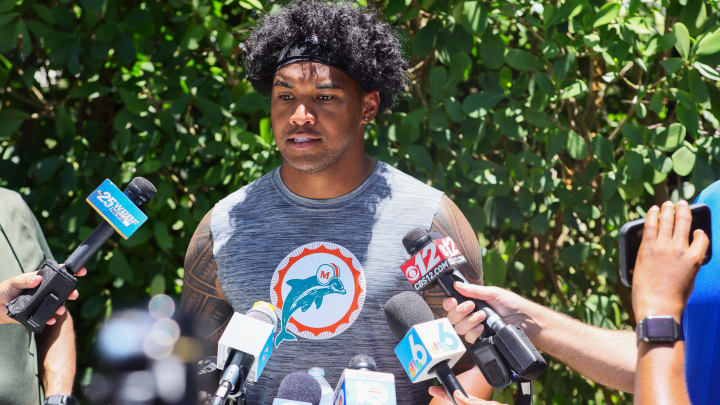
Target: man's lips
column 302, row 139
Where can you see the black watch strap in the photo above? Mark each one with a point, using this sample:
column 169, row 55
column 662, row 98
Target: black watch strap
column 61, row 400
column 659, row 329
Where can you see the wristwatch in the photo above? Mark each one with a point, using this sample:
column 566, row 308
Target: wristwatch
column 61, row 400
column 659, row 329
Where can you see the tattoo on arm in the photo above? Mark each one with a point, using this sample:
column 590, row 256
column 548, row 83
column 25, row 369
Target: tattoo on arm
column 202, row 299
column 451, row 222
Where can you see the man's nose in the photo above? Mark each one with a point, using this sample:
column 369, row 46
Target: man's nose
column 302, row 116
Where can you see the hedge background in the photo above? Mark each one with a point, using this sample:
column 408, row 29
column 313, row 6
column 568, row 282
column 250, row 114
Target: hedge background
column 549, row 123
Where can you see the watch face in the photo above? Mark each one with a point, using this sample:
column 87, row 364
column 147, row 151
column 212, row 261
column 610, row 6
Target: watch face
column 661, row 327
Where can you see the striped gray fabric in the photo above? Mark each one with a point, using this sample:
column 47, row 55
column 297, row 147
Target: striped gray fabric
column 328, row 265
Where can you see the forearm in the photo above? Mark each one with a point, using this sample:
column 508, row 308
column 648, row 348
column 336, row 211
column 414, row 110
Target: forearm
column 602, row 355
column 56, row 348
column 660, row 374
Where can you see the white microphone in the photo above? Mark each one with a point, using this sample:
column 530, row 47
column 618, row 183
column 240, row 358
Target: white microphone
column 428, row 348
column 244, row 349
column 361, row 384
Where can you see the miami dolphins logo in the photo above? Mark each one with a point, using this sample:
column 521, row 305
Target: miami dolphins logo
column 319, row 290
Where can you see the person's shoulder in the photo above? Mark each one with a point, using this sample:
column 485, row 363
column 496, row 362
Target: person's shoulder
column 401, row 179
column 11, row 199
column 240, row 195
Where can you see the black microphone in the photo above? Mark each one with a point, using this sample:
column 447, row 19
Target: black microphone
column 406, row 311
column 244, row 349
column 298, row 387
column 501, row 346
column 140, row 191
column 34, row 307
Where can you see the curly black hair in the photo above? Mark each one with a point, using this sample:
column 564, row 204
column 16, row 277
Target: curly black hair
column 356, row 37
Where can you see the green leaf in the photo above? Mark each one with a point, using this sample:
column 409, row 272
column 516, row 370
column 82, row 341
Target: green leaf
column 606, row 14
column 495, row 268
column 266, row 130
column 683, row 161
column 574, row 90
column 458, row 67
column 633, row 133
column 438, row 77
column 162, row 236
column 707, row 71
column 473, row 16
column 93, row 307
column 64, row 124
column 635, row 165
column 697, row 86
column 672, row 65
column 491, row 50
column 157, row 285
column 689, row 118
column 134, row 104
column 656, row 102
column 576, row 147
column 420, row 157
column 11, row 120
column 659, row 43
column 603, row 149
column 425, row 40
column 682, row 36
column 119, row 266
column 191, row 40
column 523, row 60
column 478, row 104
column 575, row 255
column 670, row 138
column 708, row 44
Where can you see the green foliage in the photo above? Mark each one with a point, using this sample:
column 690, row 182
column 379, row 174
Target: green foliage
column 549, row 124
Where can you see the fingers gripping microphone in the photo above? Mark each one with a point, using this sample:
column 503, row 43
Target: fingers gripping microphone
column 121, row 211
column 244, row 349
column 503, row 349
column 298, row 388
column 362, row 384
column 428, row 347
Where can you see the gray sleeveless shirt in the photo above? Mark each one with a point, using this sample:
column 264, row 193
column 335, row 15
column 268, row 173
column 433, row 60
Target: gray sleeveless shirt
column 328, row 266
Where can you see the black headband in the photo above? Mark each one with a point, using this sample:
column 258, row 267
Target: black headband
column 309, row 49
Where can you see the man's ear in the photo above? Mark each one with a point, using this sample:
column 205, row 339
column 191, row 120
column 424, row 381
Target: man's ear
column 371, row 105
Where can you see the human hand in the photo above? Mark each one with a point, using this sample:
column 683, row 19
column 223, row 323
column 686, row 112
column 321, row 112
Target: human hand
column 460, row 399
column 14, row 286
column 511, row 307
column 666, row 264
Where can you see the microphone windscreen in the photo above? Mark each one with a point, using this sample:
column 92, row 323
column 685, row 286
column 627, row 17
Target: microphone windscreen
column 300, row 386
column 362, row 362
column 260, row 312
column 414, row 240
column 404, row 310
column 140, row 191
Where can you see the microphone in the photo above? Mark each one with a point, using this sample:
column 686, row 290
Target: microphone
column 502, row 346
column 428, row 347
column 361, row 384
column 298, row 388
column 121, row 211
column 244, row 349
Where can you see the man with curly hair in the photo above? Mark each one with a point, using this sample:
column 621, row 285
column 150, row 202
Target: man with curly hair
column 320, row 236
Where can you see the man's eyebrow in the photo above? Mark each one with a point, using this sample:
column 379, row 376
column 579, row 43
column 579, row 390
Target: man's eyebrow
column 328, row 85
column 280, row 83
